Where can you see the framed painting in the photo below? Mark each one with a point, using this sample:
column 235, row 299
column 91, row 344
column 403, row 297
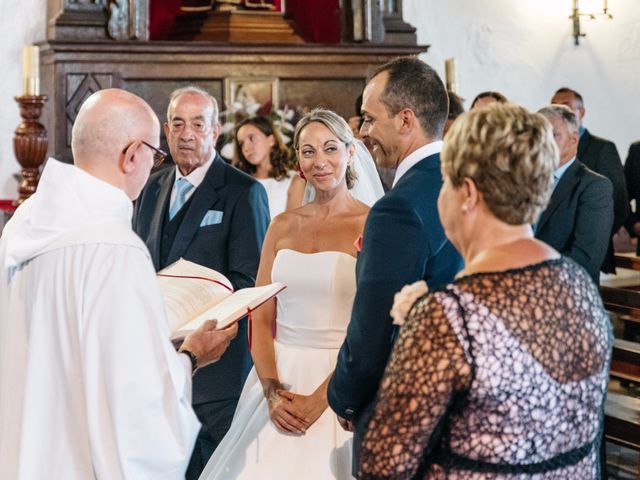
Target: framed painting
column 256, row 95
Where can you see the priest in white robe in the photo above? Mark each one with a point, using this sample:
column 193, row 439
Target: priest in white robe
column 90, row 385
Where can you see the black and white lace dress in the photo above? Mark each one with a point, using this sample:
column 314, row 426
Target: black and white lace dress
column 498, row 375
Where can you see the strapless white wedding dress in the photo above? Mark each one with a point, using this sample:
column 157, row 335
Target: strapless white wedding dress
column 312, row 317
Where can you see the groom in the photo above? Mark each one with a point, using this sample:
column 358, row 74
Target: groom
column 404, row 107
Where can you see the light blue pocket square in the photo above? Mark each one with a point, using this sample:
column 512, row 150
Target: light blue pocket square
column 213, row 217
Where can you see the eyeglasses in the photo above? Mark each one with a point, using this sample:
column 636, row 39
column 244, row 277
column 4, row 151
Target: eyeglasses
column 158, row 155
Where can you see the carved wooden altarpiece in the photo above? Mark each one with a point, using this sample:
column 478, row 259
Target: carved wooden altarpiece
column 96, row 44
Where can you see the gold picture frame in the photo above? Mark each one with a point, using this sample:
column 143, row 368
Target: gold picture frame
column 251, row 90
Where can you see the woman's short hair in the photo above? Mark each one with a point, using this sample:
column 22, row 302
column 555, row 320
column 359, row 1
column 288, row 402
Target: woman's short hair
column 279, row 156
column 336, row 125
column 509, row 153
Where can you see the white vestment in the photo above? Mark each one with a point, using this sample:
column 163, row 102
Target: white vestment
column 90, row 385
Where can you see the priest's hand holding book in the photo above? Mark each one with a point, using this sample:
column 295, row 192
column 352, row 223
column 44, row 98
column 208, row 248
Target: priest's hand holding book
column 194, row 296
column 206, row 344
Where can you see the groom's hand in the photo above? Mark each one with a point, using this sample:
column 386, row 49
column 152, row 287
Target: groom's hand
column 345, row 424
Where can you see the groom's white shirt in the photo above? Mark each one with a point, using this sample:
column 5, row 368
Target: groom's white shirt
column 414, row 157
column 90, row 386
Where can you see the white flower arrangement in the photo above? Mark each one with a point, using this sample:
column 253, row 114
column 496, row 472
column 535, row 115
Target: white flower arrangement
column 404, row 300
column 283, row 120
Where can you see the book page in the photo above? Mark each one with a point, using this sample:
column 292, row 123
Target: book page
column 188, row 291
column 234, row 307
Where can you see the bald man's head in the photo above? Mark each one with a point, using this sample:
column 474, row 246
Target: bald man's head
column 109, row 122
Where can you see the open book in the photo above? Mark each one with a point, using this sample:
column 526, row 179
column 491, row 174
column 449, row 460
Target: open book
column 193, row 294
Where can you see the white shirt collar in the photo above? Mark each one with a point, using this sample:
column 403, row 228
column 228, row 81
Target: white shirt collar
column 196, row 177
column 414, row 157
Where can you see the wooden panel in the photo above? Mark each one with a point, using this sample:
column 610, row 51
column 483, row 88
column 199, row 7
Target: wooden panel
column 338, row 95
column 310, row 74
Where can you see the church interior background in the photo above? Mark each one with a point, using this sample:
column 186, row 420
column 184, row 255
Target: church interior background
column 319, row 53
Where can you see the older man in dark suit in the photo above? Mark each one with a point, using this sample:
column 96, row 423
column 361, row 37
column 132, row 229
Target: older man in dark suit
column 577, row 222
column 404, row 108
column 209, row 212
column 602, row 157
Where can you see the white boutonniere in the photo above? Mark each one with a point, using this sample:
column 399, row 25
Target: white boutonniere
column 405, row 298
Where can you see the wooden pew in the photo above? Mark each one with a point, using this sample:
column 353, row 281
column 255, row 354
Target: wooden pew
column 630, row 262
column 625, row 361
column 622, row 411
column 622, row 421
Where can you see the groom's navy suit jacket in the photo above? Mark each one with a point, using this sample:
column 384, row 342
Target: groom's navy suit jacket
column 230, row 244
column 403, row 242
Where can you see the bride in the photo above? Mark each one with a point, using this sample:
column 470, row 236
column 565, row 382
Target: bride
column 282, row 427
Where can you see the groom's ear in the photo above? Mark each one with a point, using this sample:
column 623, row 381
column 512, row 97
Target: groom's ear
column 406, row 119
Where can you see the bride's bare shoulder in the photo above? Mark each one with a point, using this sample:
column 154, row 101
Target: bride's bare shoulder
column 290, row 218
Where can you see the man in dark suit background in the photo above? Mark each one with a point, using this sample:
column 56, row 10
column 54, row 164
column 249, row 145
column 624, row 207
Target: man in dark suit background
column 208, row 212
column 577, row 222
column 632, row 179
column 602, row 157
column 404, row 108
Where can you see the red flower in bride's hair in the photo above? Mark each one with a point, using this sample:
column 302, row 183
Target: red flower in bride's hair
column 300, row 172
column 358, row 244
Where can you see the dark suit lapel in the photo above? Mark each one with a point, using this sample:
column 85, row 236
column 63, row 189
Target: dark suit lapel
column 203, row 198
column 583, row 146
column 563, row 190
column 159, row 214
column 432, row 162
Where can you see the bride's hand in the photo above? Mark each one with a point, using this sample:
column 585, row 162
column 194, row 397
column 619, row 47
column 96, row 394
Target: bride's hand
column 285, row 416
column 310, row 406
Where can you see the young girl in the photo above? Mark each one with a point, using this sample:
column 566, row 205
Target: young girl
column 261, row 153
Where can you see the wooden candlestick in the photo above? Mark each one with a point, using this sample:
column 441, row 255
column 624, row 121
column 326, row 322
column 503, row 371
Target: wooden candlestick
column 30, row 144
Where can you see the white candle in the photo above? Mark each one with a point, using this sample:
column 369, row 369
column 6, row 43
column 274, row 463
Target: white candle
column 31, row 69
column 450, row 74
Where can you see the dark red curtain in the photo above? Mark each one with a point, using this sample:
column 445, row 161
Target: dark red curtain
column 316, row 20
column 162, row 14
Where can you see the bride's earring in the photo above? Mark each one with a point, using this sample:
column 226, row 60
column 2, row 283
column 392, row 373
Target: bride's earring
column 465, row 208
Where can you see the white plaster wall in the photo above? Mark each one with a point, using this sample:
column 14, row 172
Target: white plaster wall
column 22, row 22
column 525, row 50
column 522, row 48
